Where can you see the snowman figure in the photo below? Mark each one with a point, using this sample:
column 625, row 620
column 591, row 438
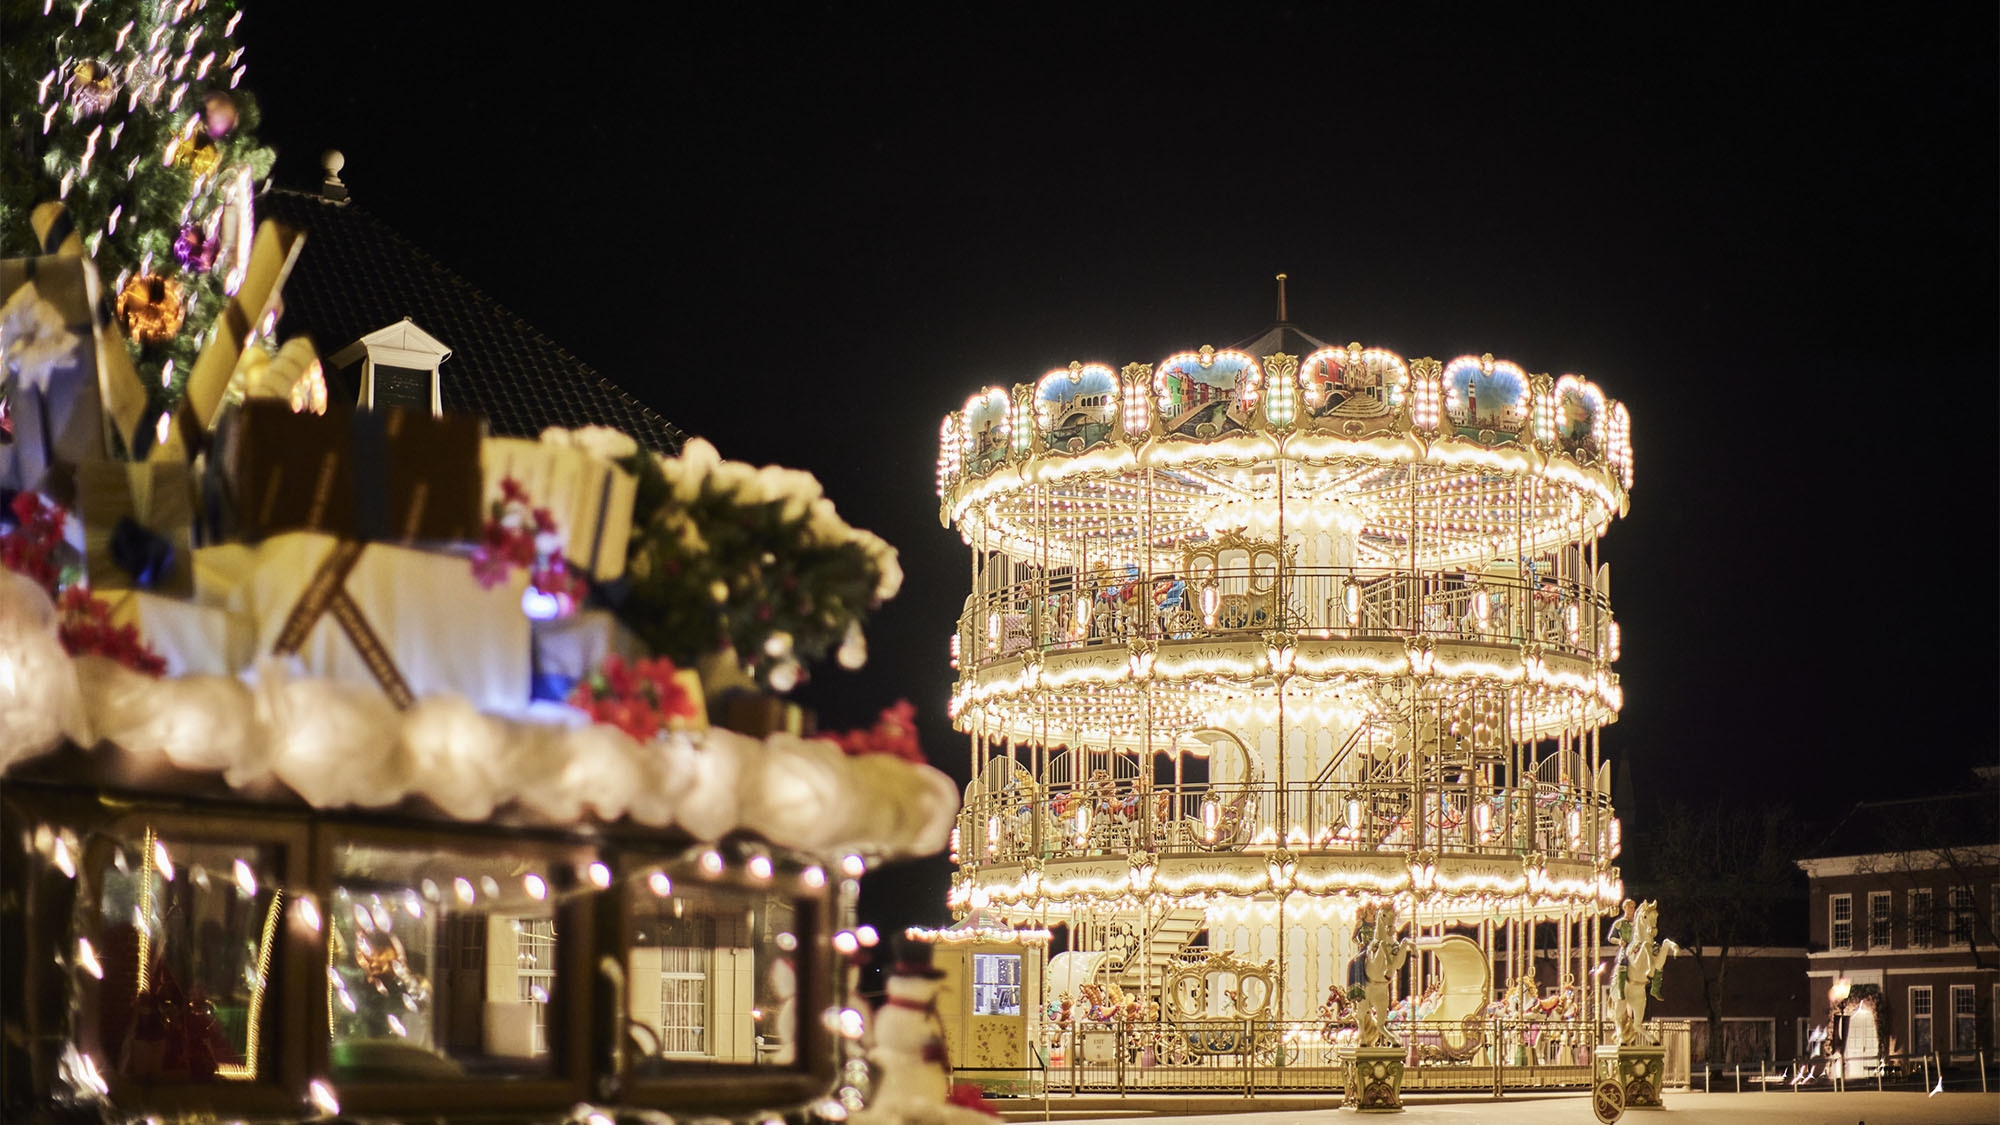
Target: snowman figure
column 907, row 1051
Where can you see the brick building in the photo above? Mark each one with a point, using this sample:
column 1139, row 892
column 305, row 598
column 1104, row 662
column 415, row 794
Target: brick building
column 1767, row 1006
column 1902, row 907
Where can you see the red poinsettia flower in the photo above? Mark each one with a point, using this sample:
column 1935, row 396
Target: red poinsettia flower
column 641, row 698
column 518, row 535
column 971, row 1097
column 894, row 734
column 85, row 627
column 29, row 549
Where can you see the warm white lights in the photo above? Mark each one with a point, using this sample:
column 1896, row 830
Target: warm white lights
column 1263, row 639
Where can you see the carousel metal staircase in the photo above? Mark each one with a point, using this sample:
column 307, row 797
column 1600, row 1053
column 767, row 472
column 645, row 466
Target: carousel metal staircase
column 1146, row 972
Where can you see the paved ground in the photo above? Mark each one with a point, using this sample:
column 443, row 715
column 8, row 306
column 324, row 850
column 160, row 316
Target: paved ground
column 1783, row 1108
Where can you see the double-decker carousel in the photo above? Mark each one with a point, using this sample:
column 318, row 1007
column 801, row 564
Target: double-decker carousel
column 1273, row 651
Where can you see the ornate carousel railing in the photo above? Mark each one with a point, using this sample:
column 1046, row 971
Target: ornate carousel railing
column 1558, row 821
column 1115, row 607
column 1481, row 1052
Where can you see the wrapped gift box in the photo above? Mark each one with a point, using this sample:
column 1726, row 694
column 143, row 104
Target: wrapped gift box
column 137, row 523
column 412, row 623
column 195, row 639
column 69, row 385
column 567, row 649
column 590, row 498
column 394, row 475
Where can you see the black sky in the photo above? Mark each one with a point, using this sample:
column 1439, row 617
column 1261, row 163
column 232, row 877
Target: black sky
column 807, row 233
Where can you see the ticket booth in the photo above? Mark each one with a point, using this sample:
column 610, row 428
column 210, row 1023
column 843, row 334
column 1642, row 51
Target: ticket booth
column 987, row 1001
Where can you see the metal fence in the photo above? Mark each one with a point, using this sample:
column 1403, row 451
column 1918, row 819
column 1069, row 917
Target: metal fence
column 1253, row 1057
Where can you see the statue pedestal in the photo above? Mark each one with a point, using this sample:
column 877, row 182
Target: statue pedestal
column 1372, row 1079
column 1637, row 1070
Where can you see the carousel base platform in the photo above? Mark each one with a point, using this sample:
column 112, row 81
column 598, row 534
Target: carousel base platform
column 1637, row 1070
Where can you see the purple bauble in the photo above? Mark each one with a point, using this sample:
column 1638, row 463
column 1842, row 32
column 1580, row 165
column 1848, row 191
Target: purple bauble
column 193, row 251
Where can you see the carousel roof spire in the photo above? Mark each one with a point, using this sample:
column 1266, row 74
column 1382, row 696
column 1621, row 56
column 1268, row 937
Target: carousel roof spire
column 1282, row 335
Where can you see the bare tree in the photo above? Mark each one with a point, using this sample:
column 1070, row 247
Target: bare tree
column 1942, row 844
column 1726, row 883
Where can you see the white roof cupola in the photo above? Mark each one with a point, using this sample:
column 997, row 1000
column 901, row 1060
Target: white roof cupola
column 399, row 367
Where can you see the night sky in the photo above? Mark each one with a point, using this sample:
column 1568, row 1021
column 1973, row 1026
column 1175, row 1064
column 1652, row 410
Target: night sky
column 807, row 234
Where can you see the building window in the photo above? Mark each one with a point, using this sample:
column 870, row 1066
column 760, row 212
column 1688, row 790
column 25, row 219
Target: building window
column 1920, row 1020
column 1842, row 914
column 1878, row 920
column 684, row 1001
column 535, row 953
column 1921, row 919
column 1961, row 916
column 1964, row 1019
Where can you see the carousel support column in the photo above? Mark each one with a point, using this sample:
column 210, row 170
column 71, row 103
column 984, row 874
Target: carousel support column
column 1279, row 1014
column 1148, row 820
column 1145, row 593
column 1039, row 611
column 1528, row 950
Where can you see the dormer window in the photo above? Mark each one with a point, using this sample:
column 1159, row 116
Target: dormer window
column 398, row 366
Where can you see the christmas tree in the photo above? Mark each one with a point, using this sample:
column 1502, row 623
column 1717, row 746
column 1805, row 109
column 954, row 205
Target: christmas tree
column 130, row 115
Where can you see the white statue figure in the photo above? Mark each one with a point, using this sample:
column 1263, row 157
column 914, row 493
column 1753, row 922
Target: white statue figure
column 1381, row 959
column 1640, row 961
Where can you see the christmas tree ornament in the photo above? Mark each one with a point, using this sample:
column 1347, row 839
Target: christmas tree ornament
column 150, row 309
column 194, row 249
column 853, row 651
column 196, row 153
column 218, row 113
column 90, row 89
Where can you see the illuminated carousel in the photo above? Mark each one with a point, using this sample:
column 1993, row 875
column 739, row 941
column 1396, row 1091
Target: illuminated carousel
column 1277, row 651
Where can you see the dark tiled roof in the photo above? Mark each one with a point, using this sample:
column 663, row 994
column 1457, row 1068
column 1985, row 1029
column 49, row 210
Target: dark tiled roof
column 1282, row 337
column 1954, row 820
column 355, row 275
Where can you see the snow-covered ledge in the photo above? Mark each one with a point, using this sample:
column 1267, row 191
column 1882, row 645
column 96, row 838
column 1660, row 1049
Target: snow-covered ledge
column 343, row 745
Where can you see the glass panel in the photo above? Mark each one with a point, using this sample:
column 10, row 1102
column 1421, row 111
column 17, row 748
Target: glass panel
column 996, row 984
column 712, row 978
column 440, row 965
column 187, row 935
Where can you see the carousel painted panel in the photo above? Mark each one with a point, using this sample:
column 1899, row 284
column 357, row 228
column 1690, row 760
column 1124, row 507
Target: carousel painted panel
column 1351, row 391
column 1207, row 394
column 1618, row 441
column 984, row 429
column 1486, row 400
column 1076, row 408
column 1581, row 418
column 950, row 453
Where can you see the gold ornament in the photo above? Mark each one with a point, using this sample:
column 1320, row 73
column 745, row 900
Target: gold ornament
column 91, row 88
column 197, row 154
column 150, row 309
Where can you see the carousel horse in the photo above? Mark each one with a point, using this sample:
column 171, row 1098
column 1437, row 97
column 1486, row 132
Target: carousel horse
column 1336, row 1015
column 1384, row 958
column 1642, row 958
